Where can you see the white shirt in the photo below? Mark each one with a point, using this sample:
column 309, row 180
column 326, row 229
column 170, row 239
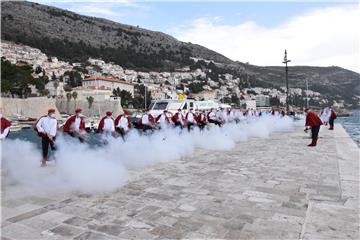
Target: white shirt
column 162, row 119
column 190, row 117
column 47, row 125
column 109, row 125
column 145, row 119
column 231, row 116
column 76, row 125
column 219, row 115
column 123, row 123
column 212, row 116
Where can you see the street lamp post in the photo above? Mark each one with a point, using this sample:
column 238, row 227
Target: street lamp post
column 287, row 81
column 307, row 94
column 145, row 96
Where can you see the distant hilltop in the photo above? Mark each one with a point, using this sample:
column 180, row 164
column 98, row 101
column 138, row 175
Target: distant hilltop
column 75, row 38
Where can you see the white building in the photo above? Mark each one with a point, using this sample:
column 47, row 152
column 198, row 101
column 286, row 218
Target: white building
column 107, row 83
column 98, row 94
column 262, row 101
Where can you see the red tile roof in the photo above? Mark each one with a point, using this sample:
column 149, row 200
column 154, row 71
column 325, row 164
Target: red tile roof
column 109, row 79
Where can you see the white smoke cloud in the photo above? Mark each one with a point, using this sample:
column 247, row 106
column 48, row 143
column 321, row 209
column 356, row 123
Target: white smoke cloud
column 324, row 37
column 86, row 168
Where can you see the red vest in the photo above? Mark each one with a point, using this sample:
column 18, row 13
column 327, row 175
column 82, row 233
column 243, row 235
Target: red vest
column 166, row 118
column 200, row 118
column 175, row 118
column 70, row 121
column 4, row 124
column 333, row 114
column 312, row 120
column 101, row 124
column 151, row 120
column 117, row 120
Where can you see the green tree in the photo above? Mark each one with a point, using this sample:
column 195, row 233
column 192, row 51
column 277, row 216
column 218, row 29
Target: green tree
column 16, row 80
column 56, row 85
column 90, row 100
column 196, row 87
column 75, row 79
column 139, row 99
column 274, row 101
column 126, row 97
column 67, row 88
column 74, row 96
column 38, row 70
column 45, row 92
column 68, row 98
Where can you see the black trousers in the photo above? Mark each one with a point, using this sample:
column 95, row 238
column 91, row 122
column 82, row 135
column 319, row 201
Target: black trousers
column 178, row 124
column 76, row 135
column 147, row 127
column 122, row 133
column 315, row 132
column 331, row 122
column 190, row 125
column 216, row 122
column 45, row 142
column 201, row 126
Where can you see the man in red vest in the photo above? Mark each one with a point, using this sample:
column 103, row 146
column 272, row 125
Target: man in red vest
column 147, row 121
column 282, row 113
column 333, row 116
column 123, row 124
column 5, row 127
column 163, row 120
column 201, row 120
column 75, row 125
column 312, row 122
column 107, row 124
column 178, row 119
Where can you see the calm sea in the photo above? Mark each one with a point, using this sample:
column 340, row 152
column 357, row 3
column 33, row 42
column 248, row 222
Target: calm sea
column 352, row 125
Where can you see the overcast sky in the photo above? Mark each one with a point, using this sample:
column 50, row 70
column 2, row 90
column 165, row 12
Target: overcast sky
column 321, row 33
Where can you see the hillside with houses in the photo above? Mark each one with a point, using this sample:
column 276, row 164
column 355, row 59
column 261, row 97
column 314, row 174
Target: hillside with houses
column 100, row 81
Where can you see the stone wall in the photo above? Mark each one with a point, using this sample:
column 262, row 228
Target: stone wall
column 30, row 107
column 97, row 108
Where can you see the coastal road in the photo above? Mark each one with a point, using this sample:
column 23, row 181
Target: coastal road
column 262, row 189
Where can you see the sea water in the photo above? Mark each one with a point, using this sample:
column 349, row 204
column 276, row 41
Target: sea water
column 352, row 125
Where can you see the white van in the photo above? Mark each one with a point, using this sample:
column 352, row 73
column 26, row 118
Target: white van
column 158, row 106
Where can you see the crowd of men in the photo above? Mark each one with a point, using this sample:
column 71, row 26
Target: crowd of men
column 47, row 126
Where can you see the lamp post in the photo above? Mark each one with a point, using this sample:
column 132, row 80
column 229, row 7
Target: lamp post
column 307, row 94
column 287, row 81
column 145, row 95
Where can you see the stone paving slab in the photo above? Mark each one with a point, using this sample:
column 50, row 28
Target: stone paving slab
column 275, row 188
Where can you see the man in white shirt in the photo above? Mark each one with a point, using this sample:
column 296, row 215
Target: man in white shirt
column 46, row 127
column 190, row 119
column 147, row 121
column 75, row 125
column 163, row 120
column 213, row 118
column 107, row 124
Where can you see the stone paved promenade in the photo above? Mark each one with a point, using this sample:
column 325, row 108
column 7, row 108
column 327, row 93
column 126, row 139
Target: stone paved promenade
column 274, row 188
